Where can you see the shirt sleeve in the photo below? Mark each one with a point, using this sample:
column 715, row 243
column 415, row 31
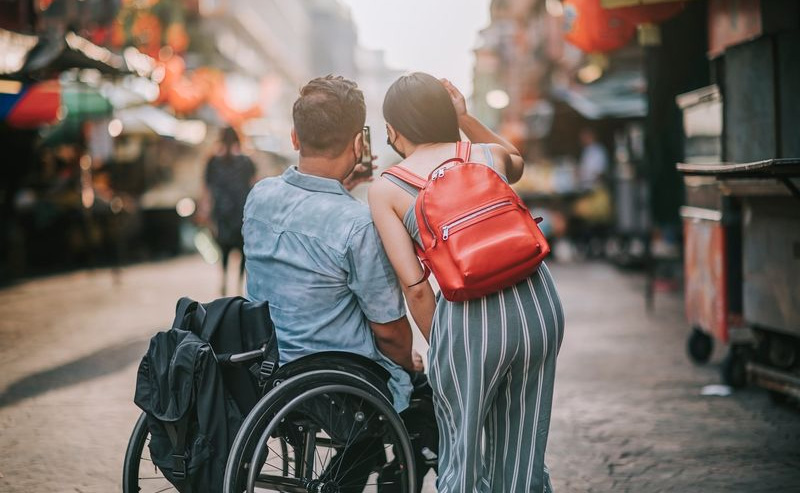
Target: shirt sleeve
column 371, row 277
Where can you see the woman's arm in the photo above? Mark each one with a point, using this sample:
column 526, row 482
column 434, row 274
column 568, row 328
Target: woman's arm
column 476, row 131
column 400, row 249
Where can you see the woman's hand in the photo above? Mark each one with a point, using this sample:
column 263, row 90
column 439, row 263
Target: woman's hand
column 459, row 103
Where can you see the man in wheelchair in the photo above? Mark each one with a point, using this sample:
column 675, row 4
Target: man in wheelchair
column 314, row 255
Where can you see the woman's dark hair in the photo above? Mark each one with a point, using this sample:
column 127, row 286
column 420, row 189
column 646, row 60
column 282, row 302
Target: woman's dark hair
column 419, row 107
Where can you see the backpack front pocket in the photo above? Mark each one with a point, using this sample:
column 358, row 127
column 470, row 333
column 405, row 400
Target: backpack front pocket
column 491, row 240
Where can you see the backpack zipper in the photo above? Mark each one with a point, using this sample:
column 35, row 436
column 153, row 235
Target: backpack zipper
column 446, row 228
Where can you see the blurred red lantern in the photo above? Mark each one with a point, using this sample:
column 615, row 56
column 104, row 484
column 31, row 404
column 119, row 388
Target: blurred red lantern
column 592, row 28
column 172, row 71
column 177, row 38
column 185, row 97
column 117, row 34
column 146, row 31
column 649, row 14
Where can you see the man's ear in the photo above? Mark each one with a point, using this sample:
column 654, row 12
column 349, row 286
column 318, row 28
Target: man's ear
column 390, row 133
column 295, row 142
column 358, row 143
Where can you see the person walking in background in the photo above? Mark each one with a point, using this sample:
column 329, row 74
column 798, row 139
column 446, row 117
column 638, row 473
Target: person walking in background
column 593, row 163
column 492, row 360
column 591, row 213
column 229, row 176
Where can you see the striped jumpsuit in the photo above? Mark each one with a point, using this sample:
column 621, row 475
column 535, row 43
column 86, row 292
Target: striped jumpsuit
column 491, row 365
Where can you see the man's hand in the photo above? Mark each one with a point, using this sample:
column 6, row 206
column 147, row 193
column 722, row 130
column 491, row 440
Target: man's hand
column 416, row 358
column 352, row 180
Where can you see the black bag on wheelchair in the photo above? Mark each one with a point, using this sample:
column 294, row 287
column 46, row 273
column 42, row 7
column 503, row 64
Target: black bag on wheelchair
column 198, row 381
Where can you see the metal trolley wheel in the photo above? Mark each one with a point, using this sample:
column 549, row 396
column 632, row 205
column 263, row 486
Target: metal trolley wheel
column 699, row 346
column 308, row 413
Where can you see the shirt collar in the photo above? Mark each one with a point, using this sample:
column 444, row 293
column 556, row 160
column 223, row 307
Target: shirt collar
column 313, row 183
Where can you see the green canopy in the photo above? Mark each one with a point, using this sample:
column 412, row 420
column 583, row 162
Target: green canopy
column 84, row 103
column 79, row 103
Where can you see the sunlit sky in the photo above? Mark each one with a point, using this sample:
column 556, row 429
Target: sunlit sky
column 434, row 36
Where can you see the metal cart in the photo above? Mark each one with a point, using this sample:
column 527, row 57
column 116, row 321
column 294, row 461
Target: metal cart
column 765, row 343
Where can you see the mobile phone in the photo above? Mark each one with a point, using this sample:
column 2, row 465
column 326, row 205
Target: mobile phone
column 366, row 155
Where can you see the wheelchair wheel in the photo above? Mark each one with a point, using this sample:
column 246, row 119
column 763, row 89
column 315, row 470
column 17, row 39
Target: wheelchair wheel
column 139, row 474
column 342, row 436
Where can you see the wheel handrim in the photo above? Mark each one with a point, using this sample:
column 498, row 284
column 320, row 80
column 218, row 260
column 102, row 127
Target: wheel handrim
column 270, row 422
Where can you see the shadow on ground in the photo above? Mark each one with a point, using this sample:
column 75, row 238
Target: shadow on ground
column 103, row 362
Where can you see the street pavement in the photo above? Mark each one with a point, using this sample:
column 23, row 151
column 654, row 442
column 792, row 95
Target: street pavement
column 628, row 415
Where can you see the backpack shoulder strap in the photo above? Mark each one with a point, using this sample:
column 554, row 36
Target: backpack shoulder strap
column 463, row 150
column 215, row 311
column 177, row 436
column 406, row 175
column 185, row 305
column 189, row 315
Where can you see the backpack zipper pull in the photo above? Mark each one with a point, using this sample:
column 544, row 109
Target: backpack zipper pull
column 445, row 233
column 441, row 173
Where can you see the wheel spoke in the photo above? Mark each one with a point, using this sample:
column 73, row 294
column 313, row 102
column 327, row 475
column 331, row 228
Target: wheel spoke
column 278, row 455
column 349, row 434
column 361, row 453
column 349, row 438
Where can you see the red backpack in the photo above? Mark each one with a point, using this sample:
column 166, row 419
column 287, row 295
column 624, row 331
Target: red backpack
column 478, row 237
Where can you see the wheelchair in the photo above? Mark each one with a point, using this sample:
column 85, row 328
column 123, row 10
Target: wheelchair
column 325, row 424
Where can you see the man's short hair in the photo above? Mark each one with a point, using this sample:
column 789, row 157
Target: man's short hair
column 328, row 114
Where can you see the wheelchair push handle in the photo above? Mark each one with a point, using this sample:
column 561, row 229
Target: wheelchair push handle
column 235, row 358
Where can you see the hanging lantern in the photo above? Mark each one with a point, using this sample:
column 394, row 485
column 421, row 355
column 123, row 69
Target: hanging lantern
column 185, row 97
column 177, row 38
column 169, row 73
column 592, row 28
column 650, row 13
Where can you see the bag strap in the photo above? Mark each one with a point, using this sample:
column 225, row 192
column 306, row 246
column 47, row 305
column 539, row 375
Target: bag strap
column 423, row 259
column 215, row 312
column 189, row 315
column 406, row 175
column 463, row 150
column 463, row 153
column 184, row 306
column 177, row 436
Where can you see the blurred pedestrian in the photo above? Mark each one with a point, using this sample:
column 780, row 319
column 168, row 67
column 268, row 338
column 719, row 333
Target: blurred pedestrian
column 591, row 212
column 492, row 360
column 229, row 176
column 593, row 163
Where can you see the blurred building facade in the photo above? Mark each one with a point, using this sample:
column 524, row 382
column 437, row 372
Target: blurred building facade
column 540, row 91
column 120, row 183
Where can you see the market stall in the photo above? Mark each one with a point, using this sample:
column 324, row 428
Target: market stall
column 765, row 345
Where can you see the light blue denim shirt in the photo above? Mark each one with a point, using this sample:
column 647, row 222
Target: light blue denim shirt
column 313, row 253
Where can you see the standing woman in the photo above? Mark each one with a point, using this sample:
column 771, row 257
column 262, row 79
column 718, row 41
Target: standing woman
column 492, row 360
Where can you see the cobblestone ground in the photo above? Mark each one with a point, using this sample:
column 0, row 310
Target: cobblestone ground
column 628, row 414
